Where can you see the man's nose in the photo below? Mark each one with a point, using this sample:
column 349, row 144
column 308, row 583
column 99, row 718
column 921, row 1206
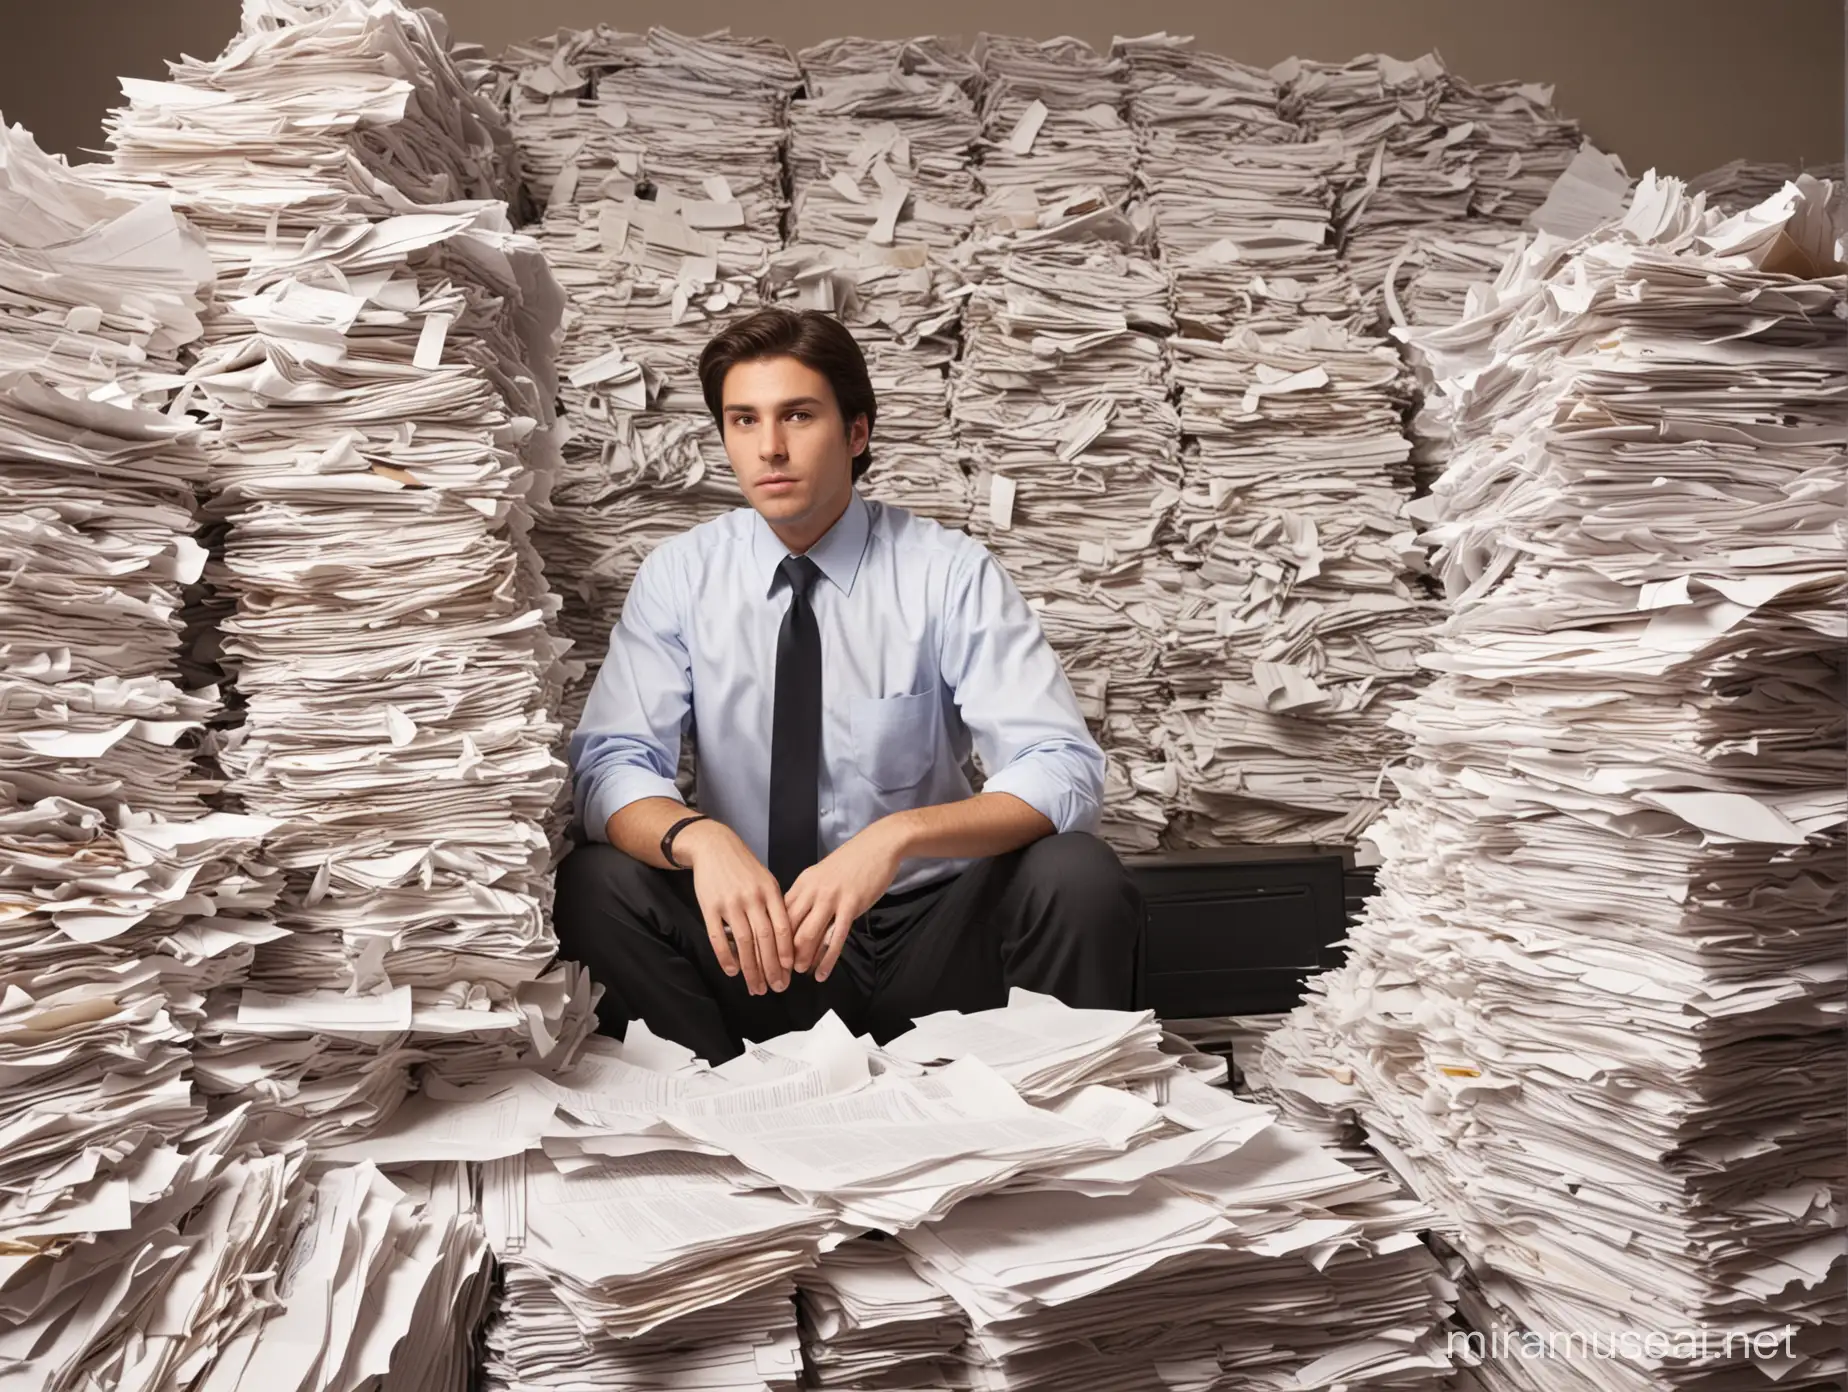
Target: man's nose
column 770, row 441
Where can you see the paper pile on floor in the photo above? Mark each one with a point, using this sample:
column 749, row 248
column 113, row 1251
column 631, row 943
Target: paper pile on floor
column 657, row 159
column 376, row 385
column 1595, row 1012
column 1061, row 1183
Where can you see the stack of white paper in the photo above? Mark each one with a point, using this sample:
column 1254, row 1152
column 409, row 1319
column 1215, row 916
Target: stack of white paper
column 124, row 898
column 178, row 1255
column 880, row 160
column 546, row 87
column 1525, row 162
column 645, row 1269
column 1277, row 1266
column 1517, row 144
column 1060, row 402
column 229, row 1268
column 879, row 148
column 1052, row 124
column 1302, row 624
column 1410, row 168
column 748, row 1343
column 666, row 199
column 377, row 382
column 635, row 1249
column 869, row 1320
column 1243, row 204
column 379, row 1288
column 1591, row 1008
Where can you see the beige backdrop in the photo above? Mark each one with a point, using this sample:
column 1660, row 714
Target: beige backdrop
column 1679, row 84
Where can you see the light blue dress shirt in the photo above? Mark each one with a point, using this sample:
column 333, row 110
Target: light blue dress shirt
column 926, row 648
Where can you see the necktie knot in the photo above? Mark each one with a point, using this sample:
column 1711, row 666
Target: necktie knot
column 800, row 573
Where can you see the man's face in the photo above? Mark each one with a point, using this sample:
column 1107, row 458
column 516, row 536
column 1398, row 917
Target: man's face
column 789, row 447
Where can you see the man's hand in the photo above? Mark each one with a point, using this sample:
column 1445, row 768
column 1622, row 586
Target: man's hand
column 735, row 891
column 827, row 897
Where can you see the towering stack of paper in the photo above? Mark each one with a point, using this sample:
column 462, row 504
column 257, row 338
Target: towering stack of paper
column 1060, row 402
column 1409, row 168
column 1303, row 623
column 1293, row 463
column 1596, row 1010
column 658, row 161
column 1243, row 203
column 1053, row 125
column 377, row 379
column 1516, row 147
column 1060, row 399
column 880, row 144
column 123, row 897
column 883, row 182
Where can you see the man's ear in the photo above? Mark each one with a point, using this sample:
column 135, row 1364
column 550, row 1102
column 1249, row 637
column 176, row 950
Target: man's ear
column 858, row 434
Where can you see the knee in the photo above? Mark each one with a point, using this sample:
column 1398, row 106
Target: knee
column 1086, row 883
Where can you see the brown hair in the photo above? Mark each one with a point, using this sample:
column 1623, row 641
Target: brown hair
column 815, row 340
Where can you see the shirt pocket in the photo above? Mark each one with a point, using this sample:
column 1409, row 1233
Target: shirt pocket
column 895, row 739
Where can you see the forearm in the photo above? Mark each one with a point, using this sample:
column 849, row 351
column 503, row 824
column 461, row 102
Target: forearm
column 636, row 830
column 988, row 824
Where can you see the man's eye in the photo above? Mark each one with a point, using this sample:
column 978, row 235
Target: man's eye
column 799, row 415
column 741, row 420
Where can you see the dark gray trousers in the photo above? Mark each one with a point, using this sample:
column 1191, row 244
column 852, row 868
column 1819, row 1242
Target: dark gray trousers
column 1060, row 916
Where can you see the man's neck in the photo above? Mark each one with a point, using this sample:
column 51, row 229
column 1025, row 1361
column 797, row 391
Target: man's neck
column 800, row 538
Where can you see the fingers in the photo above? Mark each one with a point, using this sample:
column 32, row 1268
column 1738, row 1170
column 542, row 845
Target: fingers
column 785, row 935
column 721, row 945
column 744, row 943
column 839, row 927
column 757, row 916
column 808, row 922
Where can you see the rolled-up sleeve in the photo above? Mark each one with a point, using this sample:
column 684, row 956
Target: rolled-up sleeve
column 627, row 745
column 1015, row 699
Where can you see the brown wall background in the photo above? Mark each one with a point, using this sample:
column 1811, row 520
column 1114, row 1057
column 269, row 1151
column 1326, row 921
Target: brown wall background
column 1681, row 85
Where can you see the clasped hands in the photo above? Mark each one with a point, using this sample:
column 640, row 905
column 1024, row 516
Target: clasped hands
column 757, row 930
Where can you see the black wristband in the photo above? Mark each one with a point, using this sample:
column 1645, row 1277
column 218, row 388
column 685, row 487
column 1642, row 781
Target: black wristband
column 667, row 841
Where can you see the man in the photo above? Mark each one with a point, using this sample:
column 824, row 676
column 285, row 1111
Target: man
column 836, row 659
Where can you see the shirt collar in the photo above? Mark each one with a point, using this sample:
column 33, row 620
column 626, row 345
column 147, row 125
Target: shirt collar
column 837, row 555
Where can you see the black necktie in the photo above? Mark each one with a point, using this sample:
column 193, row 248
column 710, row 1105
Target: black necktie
column 795, row 731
